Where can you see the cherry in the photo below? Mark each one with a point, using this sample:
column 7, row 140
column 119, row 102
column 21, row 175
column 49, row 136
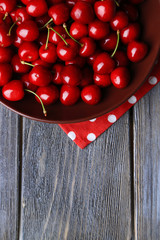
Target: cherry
column 120, row 77
column 78, row 60
column 20, row 15
column 40, row 76
column 67, row 50
column 48, row 95
column 109, row 42
column 41, row 63
column 103, row 64
column 25, row 2
column 136, row 51
column 71, row 3
column 69, row 95
column 82, row 12
column 105, row 10
column 5, row 39
column 98, row 29
column 91, row 94
column 6, row 6
column 130, row 33
column 5, row 73
column 57, row 68
column 92, row 58
column 59, row 13
column 37, row 8
column 6, row 55
column 42, row 20
column 17, row 66
column 87, row 77
column 27, row 83
column 121, row 59
column 28, row 51
column 28, row 31
column 48, row 54
column 78, row 30
column 42, row 38
column 5, row 19
column 102, row 80
column 13, row 91
column 54, row 37
column 119, row 21
column 88, row 47
column 71, row 75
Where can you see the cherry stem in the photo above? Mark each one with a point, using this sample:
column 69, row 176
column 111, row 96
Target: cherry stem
column 59, row 35
column 5, row 16
column 46, row 47
column 115, row 50
column 44, row 110
column 65, row 27
column 116, row 3
column 51, row 20
column 10, row 30
column 26, row 63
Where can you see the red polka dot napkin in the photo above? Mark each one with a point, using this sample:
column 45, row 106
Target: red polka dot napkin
column 86, row 132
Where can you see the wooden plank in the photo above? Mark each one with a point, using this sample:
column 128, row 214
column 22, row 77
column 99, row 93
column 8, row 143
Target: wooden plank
column 68, row 193
column 9, row 174
column 147, row 166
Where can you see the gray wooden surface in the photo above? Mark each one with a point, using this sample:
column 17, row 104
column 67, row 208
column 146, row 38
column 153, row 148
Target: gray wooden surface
column 50, row 189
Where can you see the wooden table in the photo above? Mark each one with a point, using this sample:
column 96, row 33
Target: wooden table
column 51, row 190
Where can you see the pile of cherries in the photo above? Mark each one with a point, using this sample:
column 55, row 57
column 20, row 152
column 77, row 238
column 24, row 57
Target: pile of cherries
column 67, row 49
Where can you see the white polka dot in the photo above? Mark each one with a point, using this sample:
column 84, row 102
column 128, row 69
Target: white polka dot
column 72, row 135
column 91, row 137
column 132, row 100
column 112, row 118
column 93, row 120
column 152, row 80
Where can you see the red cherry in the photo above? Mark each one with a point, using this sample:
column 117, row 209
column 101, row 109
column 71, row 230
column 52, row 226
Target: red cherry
column 102, row 80
column 48, row 54
column 105, row 10
column 136, row 51
column 130, row 33
column 5, row 73
column 57, row 68
column 27, row 83
column 91, row 94
column 42, row 38
column 53, row 36
column 59, row 13
column 48, row 95
column 119, row 21
column 98, row 29
column 37, row 8
column 103, row 64
column 121, row 59
column 20, row 15
column 78, row 30
column 17, row 66
column 13, row 91
column 78, row 60
column 25, row 2
column 131, row 11
column 69, row 95
column 71, row 75
column 67, row 52
column 41, row 63
column 28, row 31
column 40, row 76
column 87, row 77
column 109, row 42
column 42, row 20
column 6, row 55
column 6, row 6
column 88, row 47
column 5, row 39
column 71, row 3
column 92, row 58
column 120, row 77
column 28, row 51
column 82, row 12
column 5, row 19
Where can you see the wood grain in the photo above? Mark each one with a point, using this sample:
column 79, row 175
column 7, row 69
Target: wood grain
column 9, row 174
column 147, row 166
column 74, row 194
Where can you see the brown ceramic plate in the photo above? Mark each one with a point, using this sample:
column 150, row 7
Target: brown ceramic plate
column 150, row 19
